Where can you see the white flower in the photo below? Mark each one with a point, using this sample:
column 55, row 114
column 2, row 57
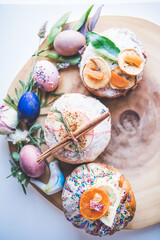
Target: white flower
column 8, row 120
column 18, row 136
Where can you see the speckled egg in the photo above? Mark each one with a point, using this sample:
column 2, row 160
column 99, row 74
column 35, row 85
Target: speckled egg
column 28, row 107
column 28, row 161
column 46, row 75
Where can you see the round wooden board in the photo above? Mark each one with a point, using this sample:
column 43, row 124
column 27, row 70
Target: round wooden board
column 134, row 146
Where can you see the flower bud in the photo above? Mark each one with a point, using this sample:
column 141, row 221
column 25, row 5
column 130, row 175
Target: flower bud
column 8, row 120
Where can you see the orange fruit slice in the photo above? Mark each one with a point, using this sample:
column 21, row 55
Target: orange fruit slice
column 93, row 71
column 96, row 73
column 132, row 60
column 121, row 80
column 90, row 196
column 118, row 81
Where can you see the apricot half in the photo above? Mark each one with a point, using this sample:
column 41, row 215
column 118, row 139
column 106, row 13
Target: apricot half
column 96, row 73
column 121, row 80
column 130, row 62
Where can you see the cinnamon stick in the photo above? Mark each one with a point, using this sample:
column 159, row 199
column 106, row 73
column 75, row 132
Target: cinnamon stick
column 82, row 130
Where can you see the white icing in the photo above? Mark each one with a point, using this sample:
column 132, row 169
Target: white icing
column 92, row 108
column 85, row 177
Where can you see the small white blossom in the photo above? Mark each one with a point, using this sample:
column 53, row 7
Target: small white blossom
column 8, row 120
column 18, row 136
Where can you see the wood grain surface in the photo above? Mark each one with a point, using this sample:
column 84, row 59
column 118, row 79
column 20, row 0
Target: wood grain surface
column 134, row 146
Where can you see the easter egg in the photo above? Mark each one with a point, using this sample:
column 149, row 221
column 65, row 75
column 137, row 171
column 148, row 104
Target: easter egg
column 28, row 161
column 28, row 107
column 69, row 42
column 46, row 75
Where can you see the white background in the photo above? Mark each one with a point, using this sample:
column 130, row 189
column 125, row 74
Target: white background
column 33, row 217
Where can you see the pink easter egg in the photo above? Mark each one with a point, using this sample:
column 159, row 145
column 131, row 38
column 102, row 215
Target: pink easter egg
column 28, row 161
column 46, row 75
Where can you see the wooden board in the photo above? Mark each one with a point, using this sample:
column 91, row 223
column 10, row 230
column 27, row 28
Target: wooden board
column 134, row 146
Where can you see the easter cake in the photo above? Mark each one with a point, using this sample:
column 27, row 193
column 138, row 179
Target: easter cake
column 98, row 198
column 77, row 110
column 113, row 76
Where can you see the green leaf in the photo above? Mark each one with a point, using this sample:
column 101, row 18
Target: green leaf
column 42, row 134
column 53, row 34
column 51, row 101
column 56, row 111
column 17, row 94
column 10, row 104
column 21, row 176
column 15, row 156
column 103, row 45
column 56, row 94
column 30, row 83
column 15, row 100
column 63, row 19
column 24, row 189
column 19, row 145
column 12, row 164
column 57, row 28
column 34, row 127
column 27, row 180
column 59, row 58
column 84, row 18
column 23, row 86
column 33, row 141
column 44, row 103
column 16, row 172
column 13, row 172
column 21, row 91
column 10, row 99
column 39, row 94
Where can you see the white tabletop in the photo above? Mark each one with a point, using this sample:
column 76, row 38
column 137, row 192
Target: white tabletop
column 31, row 216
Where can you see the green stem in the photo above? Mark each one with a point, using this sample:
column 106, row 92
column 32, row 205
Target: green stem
column 13, row 172
column 43, row 50
column 32, row 139
column 20, row 145
column 43, row 114
column 57, row 94
column 36, row 55
column 51, row 101
column 31, row 74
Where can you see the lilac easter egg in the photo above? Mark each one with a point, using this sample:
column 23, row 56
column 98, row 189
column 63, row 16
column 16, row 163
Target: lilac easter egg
column 68, row 43
column 46, row 75
column 28, row 161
